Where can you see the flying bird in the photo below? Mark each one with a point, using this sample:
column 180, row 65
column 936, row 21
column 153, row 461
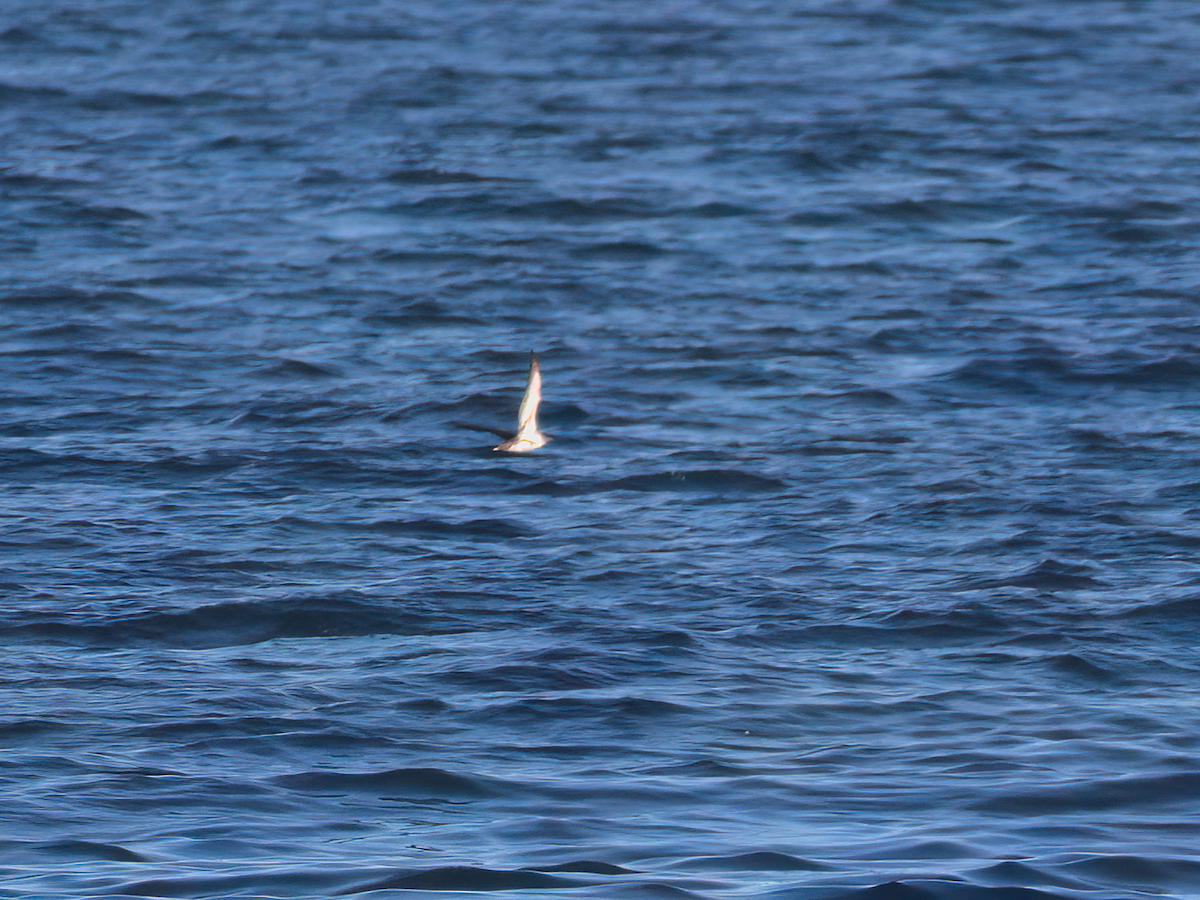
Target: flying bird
column 527, row 437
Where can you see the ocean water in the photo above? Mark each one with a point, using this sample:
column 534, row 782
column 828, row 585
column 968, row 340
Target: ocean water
column 862, row 562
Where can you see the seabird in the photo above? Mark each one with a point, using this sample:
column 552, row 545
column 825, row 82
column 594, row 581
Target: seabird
column 527, row 437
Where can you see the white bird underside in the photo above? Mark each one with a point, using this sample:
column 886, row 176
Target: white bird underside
column 527, row 437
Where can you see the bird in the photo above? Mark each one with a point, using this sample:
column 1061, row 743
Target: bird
column 527, row 437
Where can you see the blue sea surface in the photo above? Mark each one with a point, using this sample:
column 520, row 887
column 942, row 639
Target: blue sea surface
column 862, row 561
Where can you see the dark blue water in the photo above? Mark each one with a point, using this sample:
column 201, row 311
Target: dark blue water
column 863, row 559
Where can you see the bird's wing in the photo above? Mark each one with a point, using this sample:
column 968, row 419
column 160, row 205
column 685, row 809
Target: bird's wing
column 499, row 432
column 527, row 414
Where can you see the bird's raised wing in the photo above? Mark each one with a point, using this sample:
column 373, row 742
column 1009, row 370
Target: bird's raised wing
column 527, row 414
